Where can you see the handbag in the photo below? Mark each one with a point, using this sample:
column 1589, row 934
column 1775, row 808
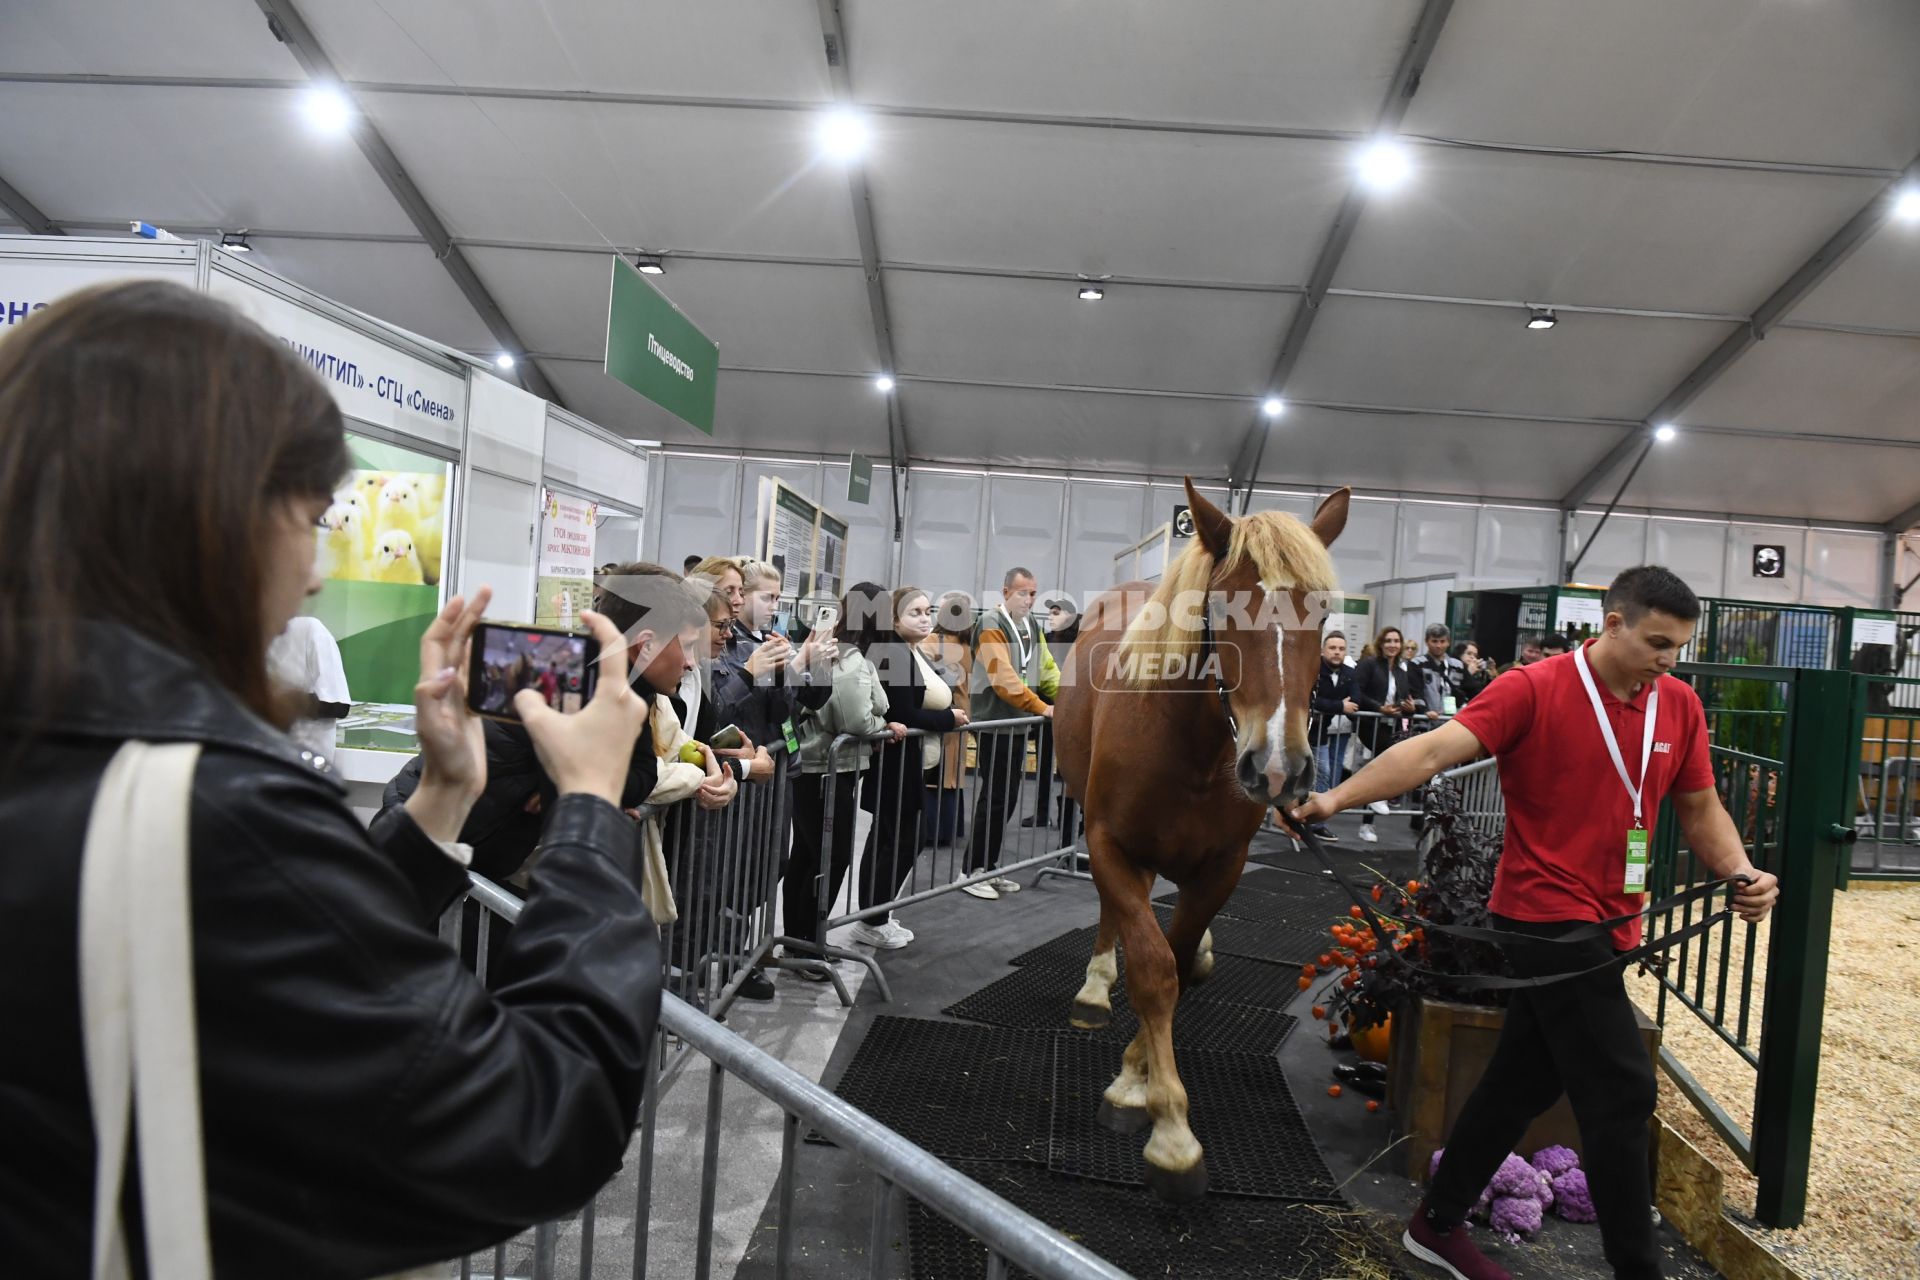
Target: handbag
column 137, row 1012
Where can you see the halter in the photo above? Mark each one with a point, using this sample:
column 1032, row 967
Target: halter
column 1207, row 647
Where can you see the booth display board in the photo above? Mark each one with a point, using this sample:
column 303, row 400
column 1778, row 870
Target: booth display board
column 806, row 542
column 564, row 584
column 1352, row 617
column 830, row 556
column 1572, row 611
column 381, row 550
column 34, row 273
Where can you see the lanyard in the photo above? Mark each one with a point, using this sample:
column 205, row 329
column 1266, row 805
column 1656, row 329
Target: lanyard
column 1613, row 744
column 1023, row 645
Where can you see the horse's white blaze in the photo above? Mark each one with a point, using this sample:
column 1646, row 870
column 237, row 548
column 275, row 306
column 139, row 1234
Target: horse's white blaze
column 1277, row 722
column 1101, row 972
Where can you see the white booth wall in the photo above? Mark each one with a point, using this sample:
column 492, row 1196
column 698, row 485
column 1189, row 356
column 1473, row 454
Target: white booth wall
column 962, row 528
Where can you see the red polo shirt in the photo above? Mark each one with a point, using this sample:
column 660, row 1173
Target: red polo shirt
column 1568, row 814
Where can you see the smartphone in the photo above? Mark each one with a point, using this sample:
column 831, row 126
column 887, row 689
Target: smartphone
column 561, row 666
column 825, row 618
column 728, row 739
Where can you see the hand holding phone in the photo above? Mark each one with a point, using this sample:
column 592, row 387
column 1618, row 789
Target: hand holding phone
column 562, row 667
column 589, row 752
column 730, row 741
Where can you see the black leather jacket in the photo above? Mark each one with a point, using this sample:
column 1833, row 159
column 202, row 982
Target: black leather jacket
column 367, row 1106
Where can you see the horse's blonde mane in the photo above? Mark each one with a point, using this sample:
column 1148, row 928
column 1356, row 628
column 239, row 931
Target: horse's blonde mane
column 1285, row 553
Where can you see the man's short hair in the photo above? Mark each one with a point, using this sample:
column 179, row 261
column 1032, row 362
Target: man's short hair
column 1651, row 586
column 692, row 562
column 1006, row 584
column 1438, row 631
column 1554, row 640
column 645, row 597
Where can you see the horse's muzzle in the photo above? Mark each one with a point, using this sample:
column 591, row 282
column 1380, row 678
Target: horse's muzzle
column 1286, row 779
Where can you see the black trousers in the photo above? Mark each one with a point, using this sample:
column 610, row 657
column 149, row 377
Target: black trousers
column 800, row 886
column 895, row 790
column 999, row 764
column 1579, row 1037
column 1043, row 777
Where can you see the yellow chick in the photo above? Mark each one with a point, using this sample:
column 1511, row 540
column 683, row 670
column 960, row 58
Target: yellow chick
column 353, row 499
column 399, row 508
column 338, row 546
column 433, row 495
column 396, row 560
column 368, row 484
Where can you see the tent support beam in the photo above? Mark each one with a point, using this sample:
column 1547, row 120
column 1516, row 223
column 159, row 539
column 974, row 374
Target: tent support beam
column 1245, row 469
column 27, row 213
column 290, row 29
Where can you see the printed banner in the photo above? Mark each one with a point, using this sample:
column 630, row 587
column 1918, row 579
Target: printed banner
column 565, row 581
column 381, row 550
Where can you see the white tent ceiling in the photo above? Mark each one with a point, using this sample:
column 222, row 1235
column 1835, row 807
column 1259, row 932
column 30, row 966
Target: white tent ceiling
column 1655, row 171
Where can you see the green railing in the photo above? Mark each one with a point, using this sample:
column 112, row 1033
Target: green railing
column 1884, row 802
column 1779, row 747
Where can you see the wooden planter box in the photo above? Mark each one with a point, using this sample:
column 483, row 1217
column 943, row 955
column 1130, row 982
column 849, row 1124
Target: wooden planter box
column 1438, row 1053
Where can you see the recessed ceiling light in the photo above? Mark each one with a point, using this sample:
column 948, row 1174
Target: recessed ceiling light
column 235, row 242
column 504, row 360
column 883, row 382
column 1907, row 206
column 1664, row 432
column 649, row 264
column 1091, row 293
column 844, row 134
column 1541, row 318
column 1383, row 164
column 327, row 108
column 1273, row 406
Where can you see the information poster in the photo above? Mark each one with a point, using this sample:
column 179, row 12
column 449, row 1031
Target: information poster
column 381, row 549
column 1580, row 611
column 564, row 583
column 830, row 570
column 806, row 543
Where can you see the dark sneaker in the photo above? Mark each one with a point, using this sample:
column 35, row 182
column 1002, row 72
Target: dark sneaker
column 757, row 986
column 1451, row 1251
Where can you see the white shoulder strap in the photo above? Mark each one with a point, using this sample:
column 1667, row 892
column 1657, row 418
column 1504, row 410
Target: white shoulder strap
column 137, row 1009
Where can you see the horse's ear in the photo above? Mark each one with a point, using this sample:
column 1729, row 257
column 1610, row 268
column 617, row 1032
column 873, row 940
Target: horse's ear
column 1214, row 526
column 1331, row 518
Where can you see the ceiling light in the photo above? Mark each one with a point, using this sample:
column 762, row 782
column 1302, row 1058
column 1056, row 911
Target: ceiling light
column 844, row 134
column 1664, row 432
column 883, row 382
column 1273, row 406
column 1383, row 164
column 649, row 264
column 1091, row 293
column 1907, row 206
column 1541, row 318
column 235, row 242
column 504, row 360
column 327, row 108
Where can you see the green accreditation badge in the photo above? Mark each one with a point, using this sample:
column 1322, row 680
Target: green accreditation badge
column 1636, row 860
column 793, row 749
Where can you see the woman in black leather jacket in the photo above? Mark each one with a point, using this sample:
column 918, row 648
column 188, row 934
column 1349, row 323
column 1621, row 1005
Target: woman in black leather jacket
column 366, row 1105
column 1385, row 685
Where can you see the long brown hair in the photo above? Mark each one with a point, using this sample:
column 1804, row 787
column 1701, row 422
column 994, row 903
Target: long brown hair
column 149, row 435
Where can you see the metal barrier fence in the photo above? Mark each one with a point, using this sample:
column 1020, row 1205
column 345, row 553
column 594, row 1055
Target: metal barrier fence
column 1885, row 802
column 1012, row 1237
column 1781, row 764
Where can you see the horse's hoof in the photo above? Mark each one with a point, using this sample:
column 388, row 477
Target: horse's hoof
column 1126, row 1120
column 1202, row 970
column 1178, row 1187
column 1089, row 1016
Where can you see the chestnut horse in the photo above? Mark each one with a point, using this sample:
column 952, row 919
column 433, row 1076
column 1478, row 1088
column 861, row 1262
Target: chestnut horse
column 1182, row 716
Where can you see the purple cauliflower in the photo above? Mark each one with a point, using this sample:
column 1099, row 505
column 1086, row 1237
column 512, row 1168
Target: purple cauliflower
column 1554, row 1161
column 1546, row 1196
column 1515, row 1216
column 1516, row 1179
column 1572, row 1198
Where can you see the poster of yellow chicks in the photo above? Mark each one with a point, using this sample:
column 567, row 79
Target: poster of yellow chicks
column 380, row 548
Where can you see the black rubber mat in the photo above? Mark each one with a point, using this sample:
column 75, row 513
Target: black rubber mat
column 959, row 1090
column 1312, row 905
column 1216, row 1238
column 1254, row 939
column 1041, row 996
column 1257, row 1143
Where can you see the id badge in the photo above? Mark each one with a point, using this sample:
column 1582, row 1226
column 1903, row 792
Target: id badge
column 793, row 745
column 1636, row 861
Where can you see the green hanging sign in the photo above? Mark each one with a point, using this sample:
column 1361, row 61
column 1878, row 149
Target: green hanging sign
column 859, row 478
column 656, row 350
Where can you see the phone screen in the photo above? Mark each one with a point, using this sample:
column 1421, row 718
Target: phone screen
column 561, row 666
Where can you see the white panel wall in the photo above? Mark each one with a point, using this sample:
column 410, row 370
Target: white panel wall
column 1301, row 505
column 1516, row 547
column 1434, row 538
column 1102, row 521
column 1364, row 552
column 1163, row 498
column 1740, row 582
column 696, row 509
column 1026, row 526
column 507, row 427
column 1842, row 568
column 946, row 513
column 589, row 462
column 498, row 547
column 802, row 477
column 869, row 527
column 1622, row 544
column 1694, row 549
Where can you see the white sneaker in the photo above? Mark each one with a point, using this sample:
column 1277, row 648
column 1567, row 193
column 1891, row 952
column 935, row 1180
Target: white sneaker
column 1367, row 834
column 1379, row 806
column 984, row 889
column 1005, row 885
column 887, row 935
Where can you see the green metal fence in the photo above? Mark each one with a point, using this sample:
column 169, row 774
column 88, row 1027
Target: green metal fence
column 1884, row 801
column 1781, row 761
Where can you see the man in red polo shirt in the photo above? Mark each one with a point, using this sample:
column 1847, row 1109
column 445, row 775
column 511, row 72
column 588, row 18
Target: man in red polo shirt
column 1589, row 744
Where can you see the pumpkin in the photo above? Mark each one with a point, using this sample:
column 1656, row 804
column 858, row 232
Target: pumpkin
column 1372, row 1042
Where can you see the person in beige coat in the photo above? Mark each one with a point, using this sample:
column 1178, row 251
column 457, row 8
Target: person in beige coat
column 942, row 819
